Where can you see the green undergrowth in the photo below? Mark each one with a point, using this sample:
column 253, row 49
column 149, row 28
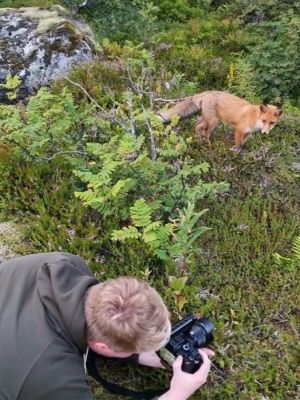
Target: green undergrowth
column 27, row 3
column 253, row 301
column 75, row 180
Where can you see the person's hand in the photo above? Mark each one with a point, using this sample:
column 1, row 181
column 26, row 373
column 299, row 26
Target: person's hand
column 183, row 385
column 150, row 359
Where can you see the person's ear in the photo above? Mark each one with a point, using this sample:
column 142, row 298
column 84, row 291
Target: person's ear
column 98, row 347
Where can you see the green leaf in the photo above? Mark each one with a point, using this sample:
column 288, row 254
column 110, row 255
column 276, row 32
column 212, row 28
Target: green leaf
column 149, row 236
column 140, row 213
column 129, row 232
column 177, row 284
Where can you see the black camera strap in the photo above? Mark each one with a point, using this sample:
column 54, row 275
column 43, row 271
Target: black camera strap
column 91, row 366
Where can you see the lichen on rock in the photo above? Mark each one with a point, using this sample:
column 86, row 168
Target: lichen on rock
column 37, row 44
column 10, row 238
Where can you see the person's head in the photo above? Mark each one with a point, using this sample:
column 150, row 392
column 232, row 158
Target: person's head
column 125, row 316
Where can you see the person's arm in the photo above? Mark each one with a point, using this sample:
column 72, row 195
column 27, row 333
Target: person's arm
column 183, row 385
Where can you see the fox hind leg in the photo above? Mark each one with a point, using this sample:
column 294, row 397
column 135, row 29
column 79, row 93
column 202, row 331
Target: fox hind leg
column 200, row 126
column 204, row 128
column 210, row 126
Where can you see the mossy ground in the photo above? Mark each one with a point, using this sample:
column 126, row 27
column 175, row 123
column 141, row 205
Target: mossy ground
column 27, row 3
column 254, row 302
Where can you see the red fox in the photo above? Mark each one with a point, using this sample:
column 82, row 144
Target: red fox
column 216, row 107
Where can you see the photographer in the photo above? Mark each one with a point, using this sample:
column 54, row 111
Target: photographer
column 52, row 309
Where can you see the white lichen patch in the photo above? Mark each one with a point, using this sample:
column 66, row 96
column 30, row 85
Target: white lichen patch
column 40, row 44
column 6, row 10
column 10, row 237
column 47, row 24
column 50, row 18
column 37, row 12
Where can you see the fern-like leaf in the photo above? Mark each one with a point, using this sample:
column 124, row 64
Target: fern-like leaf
column 129, row 232
column 296, row 248
column 140, row 213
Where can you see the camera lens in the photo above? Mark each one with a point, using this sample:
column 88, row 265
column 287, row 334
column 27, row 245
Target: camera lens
column 201, row 332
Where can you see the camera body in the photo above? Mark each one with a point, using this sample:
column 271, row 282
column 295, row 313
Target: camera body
column 187, row 336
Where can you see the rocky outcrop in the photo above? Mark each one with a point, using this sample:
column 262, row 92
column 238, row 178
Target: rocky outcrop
column 10, row 238
column 37, row 43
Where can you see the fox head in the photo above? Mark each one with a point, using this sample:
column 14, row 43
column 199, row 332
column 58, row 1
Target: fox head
column 269, row 116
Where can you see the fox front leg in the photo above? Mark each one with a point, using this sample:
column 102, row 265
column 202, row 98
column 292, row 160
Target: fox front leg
column 238, row 141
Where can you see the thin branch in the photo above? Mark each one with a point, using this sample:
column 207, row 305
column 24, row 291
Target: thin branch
column 19, row 145
column 106, row 113
column 183, row 182
column 171, row 100
column 152, row 138
column 137, row 88
column 75, row 152
column 131, row 118
column 60, row 152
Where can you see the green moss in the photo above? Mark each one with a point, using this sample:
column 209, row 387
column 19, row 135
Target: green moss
column 26, row 3
column 253, row 301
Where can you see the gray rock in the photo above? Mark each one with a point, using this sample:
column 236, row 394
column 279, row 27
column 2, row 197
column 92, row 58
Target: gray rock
column 10, row 236
column 296, row 166
column 37, row 43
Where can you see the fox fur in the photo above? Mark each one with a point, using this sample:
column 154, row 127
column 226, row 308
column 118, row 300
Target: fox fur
column 216, row 107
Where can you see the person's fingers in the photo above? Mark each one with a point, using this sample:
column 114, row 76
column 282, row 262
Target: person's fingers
column 206, row 363
column 208, row 351
column 177, row 363
column 204, row 356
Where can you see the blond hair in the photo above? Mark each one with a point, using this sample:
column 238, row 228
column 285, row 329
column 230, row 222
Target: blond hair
column 127, row 314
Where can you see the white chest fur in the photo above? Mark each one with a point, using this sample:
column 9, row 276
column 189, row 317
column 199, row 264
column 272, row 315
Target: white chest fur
column 257, row 127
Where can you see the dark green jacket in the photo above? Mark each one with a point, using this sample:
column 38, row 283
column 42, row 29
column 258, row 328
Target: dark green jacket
column 42, row 327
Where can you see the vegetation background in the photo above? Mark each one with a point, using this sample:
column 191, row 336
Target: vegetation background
column 89, row 169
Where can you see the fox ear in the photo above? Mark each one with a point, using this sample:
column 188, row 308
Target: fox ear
column 263, row 108
column 278, row 112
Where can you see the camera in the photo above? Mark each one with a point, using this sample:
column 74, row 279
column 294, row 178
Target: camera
column 187, row 336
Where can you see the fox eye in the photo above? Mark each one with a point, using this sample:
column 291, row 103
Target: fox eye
column 272, row 123
column 264, row 121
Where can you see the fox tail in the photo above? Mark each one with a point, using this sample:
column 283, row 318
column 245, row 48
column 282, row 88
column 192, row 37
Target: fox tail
column 183, row 109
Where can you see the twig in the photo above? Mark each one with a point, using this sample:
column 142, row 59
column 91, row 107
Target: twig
column 183, row 182
column 75, row 152
column 152, row 138
column 18, row 144
column 139, row 90
column 108, row 115
column 171, row 100
column 131, row 118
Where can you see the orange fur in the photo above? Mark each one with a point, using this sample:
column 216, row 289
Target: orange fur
column 216, row 107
